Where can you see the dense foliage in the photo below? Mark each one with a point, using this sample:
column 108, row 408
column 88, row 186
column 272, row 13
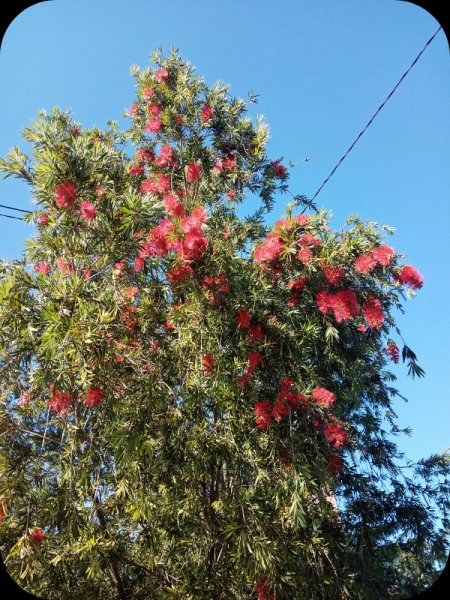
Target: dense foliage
column 186, row 393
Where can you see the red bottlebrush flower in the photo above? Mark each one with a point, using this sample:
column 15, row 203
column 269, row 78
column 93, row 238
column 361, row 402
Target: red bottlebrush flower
column 228, row 163
column 193, row 173
column 42, row 267
column 365, row 263
column 296, row 401
column 154, row 110
column 301, row 220
column 194, row 245
column 37, row 536
column 100, row 191
column 254, row 359
column 297, row 285
column 270, row 249
column 162, row 184
column 332, row 274
column 263, row 592
column 242, row 380
column 147, row 93
column 148, row 187
column 59, row 401
column 243, row 319
column 206, row 113
column 362, row 328
column 179, row 273
column 87, row 211
column 263, row 412
column 131, row 293
column 280, row 171
column 65, row 194
column 134, row 111
column 94, row 397
column 373, row 312
column 280, row 410
column 345, row 305
column 43, row 219
column 231, row 194
column 120, row 266
column 304, row 255
column 173, row 206
column 64, row 267
column 285, row 458
column 87, row 274
column 309, row 240
column 209, row 363
column 293, row 301
column 323, row 397
column 410, row 276
column 335, row 463
column 136, row 170
column 165, row 156
column 200, row 215
column 335, row 434
column 2, row 514
column 383, row 255
column 153, row 126
column 255, row 332
column 144, row 155
column 325, row 302
column 162, row 75
column 392, row 351
column 138, row 264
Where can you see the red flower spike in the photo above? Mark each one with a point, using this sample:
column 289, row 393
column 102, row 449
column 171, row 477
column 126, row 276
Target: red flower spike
column 209, row 362
column 94, row 397
column 323, row 397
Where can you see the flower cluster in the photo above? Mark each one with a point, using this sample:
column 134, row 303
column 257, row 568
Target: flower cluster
column 262, row 591
column 59, row 401
column 392, row 351
column 216, row 287
column 373, row 312
column 94, row 396
column 382, row 255
column 335, row 433
column 65, row 194
column 323, row 397
column 410, row 276
column 343, row 304
column 209, row 362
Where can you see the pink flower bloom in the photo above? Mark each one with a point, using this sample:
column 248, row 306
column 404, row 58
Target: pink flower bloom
column 138, row 263
column 323, row 397
column 301, row 220
column 193, row 173
column 162, row 75
column 64, row 267
column 37, row 536
column 173, row 206
column 392, row 351
column 42, row 267
column 263, row 412
column 345, row 305
column 325, row 302
column 304, row 255
column 147, row 93
column 59, row 401
column 309, row 240
column 94, row 396
column 200, row 215
column 280, row 171
column 335, row 434
column 136, row 170
column 43, row 219
column 297, row 285
column 332, row 274
column 243, row 319
column 65, row 194
column 87, row 210
column 373, row 312
column 270, row 249
column 280, row 410
column 134, row 110
column 162, row 184
column 209, row 363
column 365, row 263
column 179, row 273
column 165, row 156
column 153, row 126
column 254, row 359
column 255, row 332
column 383, row 255
column 194, row 245
column 206, row 113
column 144, row 155
column 411, row 276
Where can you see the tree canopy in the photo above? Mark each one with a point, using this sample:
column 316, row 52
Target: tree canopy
column 193, row 404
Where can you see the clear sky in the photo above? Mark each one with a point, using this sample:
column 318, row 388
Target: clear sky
column 321, row 68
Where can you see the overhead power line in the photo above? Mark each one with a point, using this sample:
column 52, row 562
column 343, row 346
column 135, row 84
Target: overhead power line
column 14, row 208
column 375, row 114
column 11, row 217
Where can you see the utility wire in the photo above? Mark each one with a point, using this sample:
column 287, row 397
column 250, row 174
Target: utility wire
column 13, row 208
column 376, row 113
column 11, row 217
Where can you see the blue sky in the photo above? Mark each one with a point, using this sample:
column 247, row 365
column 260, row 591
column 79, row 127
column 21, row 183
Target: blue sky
column 321, row 69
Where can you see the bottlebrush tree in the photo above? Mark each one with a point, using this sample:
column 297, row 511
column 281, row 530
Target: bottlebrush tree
column 195, row 405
